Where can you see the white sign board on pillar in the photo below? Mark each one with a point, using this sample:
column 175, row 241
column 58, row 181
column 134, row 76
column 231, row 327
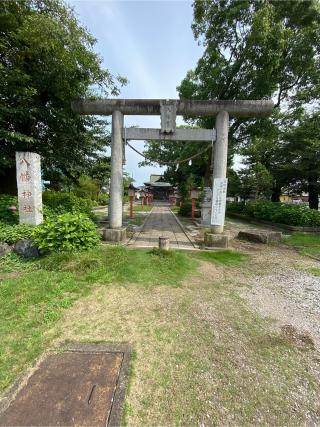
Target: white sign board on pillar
column 219, row 199
column 29, row 188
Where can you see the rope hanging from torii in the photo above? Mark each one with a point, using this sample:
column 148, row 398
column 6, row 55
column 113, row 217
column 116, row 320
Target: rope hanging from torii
column 175, row 162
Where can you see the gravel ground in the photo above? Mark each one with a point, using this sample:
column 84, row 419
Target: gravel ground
column 280, row 287
column 275, row 282
column 290, row 298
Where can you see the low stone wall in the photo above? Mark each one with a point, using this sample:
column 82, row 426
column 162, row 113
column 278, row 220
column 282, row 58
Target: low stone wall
column 273, row 224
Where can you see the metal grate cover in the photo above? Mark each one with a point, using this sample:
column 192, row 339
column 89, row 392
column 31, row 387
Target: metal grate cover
column 73, row 388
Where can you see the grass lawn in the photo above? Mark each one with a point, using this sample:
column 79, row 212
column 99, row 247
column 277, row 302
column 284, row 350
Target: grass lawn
column 201, row 357
column 307, row 243
column 222, row 257
column 138, row 208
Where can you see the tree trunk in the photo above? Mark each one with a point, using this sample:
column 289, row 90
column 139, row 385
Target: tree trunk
column 313, row 192
column 276, row 193
column 8, row 181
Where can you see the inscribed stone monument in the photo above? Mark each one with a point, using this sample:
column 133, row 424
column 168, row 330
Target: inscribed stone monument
column 29, row 188
column 219, row 196
column 206, row 206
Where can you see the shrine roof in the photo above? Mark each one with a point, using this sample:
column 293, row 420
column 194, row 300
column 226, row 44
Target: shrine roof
column 158, row 184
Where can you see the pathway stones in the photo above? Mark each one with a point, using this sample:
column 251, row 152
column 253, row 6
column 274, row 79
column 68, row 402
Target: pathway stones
column 162, row 223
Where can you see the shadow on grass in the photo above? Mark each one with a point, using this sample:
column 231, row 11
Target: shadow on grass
column 227, row 257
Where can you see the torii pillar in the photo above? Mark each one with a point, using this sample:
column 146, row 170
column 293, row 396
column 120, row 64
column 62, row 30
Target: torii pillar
column 169, row 109
column 116, row 181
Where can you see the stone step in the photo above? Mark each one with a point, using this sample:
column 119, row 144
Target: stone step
column 260, row 236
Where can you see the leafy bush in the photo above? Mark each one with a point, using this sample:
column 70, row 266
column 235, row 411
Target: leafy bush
column 6, row 215
column 103, row 199
column 278, row 212
column 235, row 207
column 66, row 232
column 11, row 233
column 186, row 208
column 61, row 202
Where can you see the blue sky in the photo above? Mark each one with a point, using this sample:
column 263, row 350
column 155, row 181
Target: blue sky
column 149, row 42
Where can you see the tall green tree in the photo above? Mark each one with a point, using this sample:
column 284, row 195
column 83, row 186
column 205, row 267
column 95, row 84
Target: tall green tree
column 253, row 50
column 46, row 61
column 301, row 149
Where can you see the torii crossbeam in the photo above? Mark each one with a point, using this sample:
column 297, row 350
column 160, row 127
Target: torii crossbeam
column 168, row 109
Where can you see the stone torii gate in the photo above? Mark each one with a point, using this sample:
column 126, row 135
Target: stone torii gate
column 168, row 109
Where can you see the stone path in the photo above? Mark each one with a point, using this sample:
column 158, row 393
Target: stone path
column 161, row 223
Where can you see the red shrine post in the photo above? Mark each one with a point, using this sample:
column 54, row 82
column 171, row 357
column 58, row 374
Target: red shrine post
column 131, row 193
column 193, row 195
column 143, row 195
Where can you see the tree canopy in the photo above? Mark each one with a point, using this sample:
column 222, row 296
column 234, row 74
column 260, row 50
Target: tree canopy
column 255, row 50
column 47, row 59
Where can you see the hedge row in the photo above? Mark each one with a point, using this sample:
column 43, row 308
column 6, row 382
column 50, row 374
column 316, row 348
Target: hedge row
column 277, row 212
column 66, row 202
column 53, row 203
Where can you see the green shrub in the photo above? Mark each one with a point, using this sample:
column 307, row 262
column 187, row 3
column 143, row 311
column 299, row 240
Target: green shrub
column 186, row 208
column 66, row 232
column 6, row 215
column 10, row 233
column 235, row 207
column 282, row 213
column 60, row 202
column 103, row 199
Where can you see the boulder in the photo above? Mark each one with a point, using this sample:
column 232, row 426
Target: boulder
column 260, row 236
column 26, row 248
column 4, row 249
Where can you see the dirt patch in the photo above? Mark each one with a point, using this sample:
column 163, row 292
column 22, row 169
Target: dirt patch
column 210, row 271
column 296, row 337
column 11, row 275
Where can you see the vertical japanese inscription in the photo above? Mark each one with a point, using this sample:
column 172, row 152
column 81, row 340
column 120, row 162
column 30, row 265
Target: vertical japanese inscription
column 219, row 199
column 168, row 111
column 29, row 188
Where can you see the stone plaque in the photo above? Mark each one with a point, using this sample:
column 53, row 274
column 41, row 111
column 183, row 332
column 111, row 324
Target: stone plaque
column 219, row 198
column 168, row 110
column 29, row 188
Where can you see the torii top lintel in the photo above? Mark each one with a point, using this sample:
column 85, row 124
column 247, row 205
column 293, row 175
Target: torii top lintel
column 184, row 107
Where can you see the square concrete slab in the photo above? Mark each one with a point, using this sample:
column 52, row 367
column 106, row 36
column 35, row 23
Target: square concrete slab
column 74, row 388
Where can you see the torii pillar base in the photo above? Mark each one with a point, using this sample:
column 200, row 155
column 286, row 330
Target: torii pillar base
column 212, row 240
column 115, row 235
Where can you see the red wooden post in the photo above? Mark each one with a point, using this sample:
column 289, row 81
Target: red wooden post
column 142, row 199
column 131, row 206
column 131, row 193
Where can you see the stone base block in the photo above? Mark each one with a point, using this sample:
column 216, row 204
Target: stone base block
column 259, row 236
column 164, row 243
column 216, row 240
column 116, row 235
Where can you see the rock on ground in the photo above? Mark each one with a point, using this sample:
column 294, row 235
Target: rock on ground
column 26, row 248
column 4, row 249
